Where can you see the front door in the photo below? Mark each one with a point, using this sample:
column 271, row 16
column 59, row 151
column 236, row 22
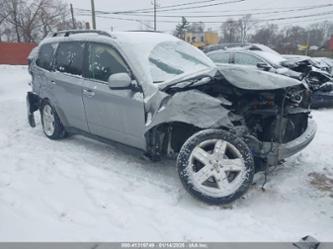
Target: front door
column 114, row 114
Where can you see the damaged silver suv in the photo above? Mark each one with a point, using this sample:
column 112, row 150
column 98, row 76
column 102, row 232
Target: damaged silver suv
column 159, row 94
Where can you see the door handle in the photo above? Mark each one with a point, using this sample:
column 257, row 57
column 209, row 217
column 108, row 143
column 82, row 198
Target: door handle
column 88, row 92
column 53, row 82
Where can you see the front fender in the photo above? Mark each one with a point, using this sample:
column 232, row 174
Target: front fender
column 191, row 107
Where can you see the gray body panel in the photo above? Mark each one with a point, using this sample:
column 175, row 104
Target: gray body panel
column 115, row 114
column 67, row 99
column 192, row 107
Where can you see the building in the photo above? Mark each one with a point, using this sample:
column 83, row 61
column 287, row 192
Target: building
column 201, row 39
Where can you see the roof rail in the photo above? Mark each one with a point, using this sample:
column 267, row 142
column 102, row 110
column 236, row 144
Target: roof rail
column 72, row 32
column 147, row 31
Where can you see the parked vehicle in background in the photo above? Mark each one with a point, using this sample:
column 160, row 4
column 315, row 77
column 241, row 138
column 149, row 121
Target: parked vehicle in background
column 318, row 78
column 238, row 46
column 166, row 98
column 325, row 62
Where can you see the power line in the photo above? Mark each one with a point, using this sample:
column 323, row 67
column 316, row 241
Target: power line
column 233, row 15
column 298, row 17
column 165, row 10
column 256, row 9
column 219, row 22
column 295, row 8
column 165, row 7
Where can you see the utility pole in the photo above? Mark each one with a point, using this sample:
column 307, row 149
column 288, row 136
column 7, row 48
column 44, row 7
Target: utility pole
column 155, row 8
column 73, row 19
column 93, row 14
column 307, row 44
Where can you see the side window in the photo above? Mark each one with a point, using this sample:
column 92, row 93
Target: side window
column 220, row 57
column 69, row 57
column 104, row 61
column 246, row 59
column 45, row 56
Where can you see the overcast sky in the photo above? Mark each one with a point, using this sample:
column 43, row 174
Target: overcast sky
column 289, row 8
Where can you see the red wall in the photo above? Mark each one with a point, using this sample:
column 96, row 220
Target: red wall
column 15, row 53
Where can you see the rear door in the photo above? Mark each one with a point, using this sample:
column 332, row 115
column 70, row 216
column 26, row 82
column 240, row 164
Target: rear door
column 114, row 114
column 68, row 83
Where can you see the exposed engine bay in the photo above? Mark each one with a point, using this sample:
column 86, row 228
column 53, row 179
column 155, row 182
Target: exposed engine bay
column 279, row 115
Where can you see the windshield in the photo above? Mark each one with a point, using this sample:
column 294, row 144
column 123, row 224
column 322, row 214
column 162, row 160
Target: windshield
column 173, row 58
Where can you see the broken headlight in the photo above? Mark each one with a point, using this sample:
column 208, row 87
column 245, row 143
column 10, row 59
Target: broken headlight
column 296, row 97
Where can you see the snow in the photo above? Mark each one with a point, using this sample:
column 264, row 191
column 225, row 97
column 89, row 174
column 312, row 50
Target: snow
column 82, row 190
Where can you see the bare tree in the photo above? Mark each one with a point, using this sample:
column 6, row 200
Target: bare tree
column 230, row 31
column 32, row 20
column 245, row 25
column 266, row 35
column 197, row 27
column 9, row 14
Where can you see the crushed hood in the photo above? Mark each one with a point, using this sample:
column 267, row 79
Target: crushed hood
column 252, row 79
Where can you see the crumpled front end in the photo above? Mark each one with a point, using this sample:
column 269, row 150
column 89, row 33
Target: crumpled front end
column 279, row 122
column 273, row 120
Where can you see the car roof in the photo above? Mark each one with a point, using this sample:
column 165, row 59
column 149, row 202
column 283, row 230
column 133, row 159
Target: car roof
column 272, row 58
column 99, row 35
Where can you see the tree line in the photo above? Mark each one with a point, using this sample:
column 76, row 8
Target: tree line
column 32, row 20
column 284, row 39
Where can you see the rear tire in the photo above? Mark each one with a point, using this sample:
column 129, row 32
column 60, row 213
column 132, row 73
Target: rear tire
column 52, row 126
column 215, row 166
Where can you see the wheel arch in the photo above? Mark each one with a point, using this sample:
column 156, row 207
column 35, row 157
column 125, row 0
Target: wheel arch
column 58, row 110
column 166, row 139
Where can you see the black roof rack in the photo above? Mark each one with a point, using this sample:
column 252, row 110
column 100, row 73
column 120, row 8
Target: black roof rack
column 72, row 32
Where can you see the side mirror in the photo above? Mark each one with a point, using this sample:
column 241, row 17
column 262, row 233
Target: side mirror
column 263, row 66
column 120, row 81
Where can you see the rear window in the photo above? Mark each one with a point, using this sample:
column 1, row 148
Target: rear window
column 69, row 57
column 45, row 56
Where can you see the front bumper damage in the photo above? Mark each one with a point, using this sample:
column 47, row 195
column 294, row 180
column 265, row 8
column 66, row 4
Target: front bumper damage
column 298, row 144
column 275, row 152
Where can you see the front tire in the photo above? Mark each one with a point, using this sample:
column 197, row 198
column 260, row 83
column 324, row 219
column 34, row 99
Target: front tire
column 215, row 166
column 52, row 126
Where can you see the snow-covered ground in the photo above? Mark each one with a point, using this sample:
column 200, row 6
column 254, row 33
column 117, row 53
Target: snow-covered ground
column 80, row 189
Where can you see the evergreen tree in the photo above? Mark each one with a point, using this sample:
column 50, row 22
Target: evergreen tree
column 182, row 28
